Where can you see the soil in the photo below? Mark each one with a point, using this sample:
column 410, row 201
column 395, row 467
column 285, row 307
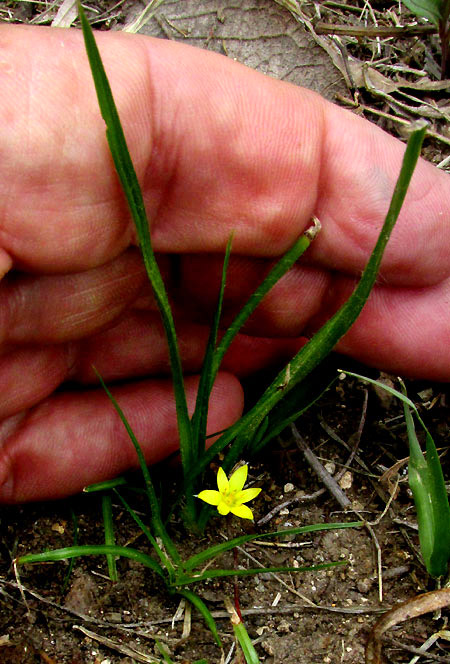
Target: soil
column 307, row 618
column 313, row 617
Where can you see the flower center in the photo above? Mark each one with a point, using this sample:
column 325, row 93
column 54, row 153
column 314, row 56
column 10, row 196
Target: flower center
column 229, row 497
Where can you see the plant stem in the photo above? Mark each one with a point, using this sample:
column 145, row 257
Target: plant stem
column 110, row 540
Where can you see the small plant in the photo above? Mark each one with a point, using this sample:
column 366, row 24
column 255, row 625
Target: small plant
column 427, row 485
column 438, row 13
column 284, row 400
column 278, row 405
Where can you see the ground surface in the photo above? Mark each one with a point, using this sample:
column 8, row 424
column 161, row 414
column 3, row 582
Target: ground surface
column 321, row 617
column 308, row 618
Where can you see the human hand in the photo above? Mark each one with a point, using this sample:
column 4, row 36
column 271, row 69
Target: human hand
column 217, row 148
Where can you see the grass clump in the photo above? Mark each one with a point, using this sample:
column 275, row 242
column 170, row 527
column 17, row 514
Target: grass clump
column 426, row 481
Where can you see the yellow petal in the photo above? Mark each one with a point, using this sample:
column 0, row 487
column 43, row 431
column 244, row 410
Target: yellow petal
column 223, row 508
column 222, row 481
column 238, row 479
column 242, row 511
column 211, row 497
column 246, row 495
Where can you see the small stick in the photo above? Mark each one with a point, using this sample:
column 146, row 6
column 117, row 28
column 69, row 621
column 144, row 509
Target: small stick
column 118, row 647
column 301, row 498
column 419, row 651
column 374, row 31
column 296, row 499
column 324, row 476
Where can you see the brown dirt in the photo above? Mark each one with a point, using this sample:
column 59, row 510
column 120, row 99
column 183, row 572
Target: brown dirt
column 279, row 617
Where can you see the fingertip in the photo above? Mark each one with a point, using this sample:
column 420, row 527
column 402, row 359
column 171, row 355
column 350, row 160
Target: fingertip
column 6, row 480
column 6, row 263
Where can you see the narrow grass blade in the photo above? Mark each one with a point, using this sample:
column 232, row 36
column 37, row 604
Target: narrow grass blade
column 163, row 652
column 106, row 485
column 440, row 557
column 418, row 478
column 110, row 538
column 279, row 269
column 132, row 191
column 136, row 518
column 323, row 342
column 92, row 550
column 241, row 634
column 200, row 415
column 203, row 609
column 427, row 484
column 218, row 573
column 150, row 490
column 386, row 388
column 245, row 642
column 199, row 559
column 296, row 402
column 75, row 543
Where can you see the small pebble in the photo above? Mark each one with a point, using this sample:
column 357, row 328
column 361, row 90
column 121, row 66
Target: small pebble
column 260, row 630
column 114, row 617
column 284, row 627
column 364, row 585
column 58, row 528
column 346, row 480
column 268, row 648
column 426, row 395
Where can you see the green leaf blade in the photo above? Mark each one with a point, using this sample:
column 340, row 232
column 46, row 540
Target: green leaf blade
column 219, row 573
column 201, row 558
column 130, row 184
column 110, row 538
column 429, row 9
column 207, row 376
column 200, row 605
column 440, row 556
column 91, row 550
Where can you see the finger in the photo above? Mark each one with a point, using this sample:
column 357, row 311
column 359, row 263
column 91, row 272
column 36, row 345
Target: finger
column 72, row 440
column 403, row 331
column 52, row 309
column 30, row 374
column 284, row 311
column 136, row 346
column 400, row 330
column 359, row 172
column 252, row 155
column 188, row 178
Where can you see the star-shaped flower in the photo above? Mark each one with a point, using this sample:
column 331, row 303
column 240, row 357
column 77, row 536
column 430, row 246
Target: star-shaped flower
column 231, row 495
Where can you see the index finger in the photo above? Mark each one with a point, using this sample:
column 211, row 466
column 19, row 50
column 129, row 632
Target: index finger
column 217, row 148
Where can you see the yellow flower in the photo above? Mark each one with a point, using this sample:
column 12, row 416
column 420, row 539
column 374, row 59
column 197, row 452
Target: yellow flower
column 231, row 495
